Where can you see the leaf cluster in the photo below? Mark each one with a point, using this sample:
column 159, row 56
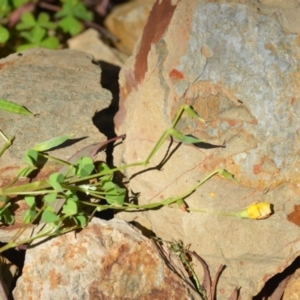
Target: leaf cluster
column 29, row 23
column 65, row 200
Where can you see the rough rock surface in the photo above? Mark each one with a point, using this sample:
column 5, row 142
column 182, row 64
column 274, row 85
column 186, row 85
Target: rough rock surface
column 292, row 291
column 127, row 21
column 90, row 42
column 239, row 69
column 107, row 260
column 62, row 88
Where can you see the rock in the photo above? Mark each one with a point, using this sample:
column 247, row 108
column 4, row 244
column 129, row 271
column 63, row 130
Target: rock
column 292, row 291
column 239, row 69
column 126, row 22
column 107, row 260
column 90, row 42
column 62, row 88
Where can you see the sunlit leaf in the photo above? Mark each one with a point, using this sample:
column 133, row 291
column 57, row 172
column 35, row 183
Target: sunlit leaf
column 31, row 157
column 85, row 167
column 38, row 33
column 26, row 171
column 49, row 216
column 4, row 199
column 49, row 198
column 70, row 25
column 50, row 42
column 4, row 35
column 70, row 208
column 30, row 200
column 80, row 220
column 29, row 215
column 14, row 107
column 51, row 143
column 55, row 179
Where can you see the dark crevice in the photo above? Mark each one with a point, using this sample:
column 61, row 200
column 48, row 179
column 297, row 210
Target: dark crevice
column 271, row 285
column 104, row 119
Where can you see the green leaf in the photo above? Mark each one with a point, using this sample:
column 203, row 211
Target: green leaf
column 4, row 35
column 28, row 21
column 80, row 11
column 115, row 199
column 71, row 195
column 4, row 199
column 226, row 174
column 80, row 220
column 31, row 157
column 49, row 217
column 66, row 9
column 5, row 8
column 50, row 42
column 14, row 107
column 186, row 139
column 7, row 216
column 104, row 168
column 49, row 198
column 52, row 143
column 85, row 167
column 70, row 208
column 18, row 3
column 55, row 180
column 29, row 215
column 30, row 201
column 38, row 33
column 113, row 193
column 26, row 171
column 108, row 186
column 70, row 25
column 28, row 36
column 43, row 20
column 25, row 47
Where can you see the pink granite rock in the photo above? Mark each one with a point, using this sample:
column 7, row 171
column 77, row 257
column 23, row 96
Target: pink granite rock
column 107, row 260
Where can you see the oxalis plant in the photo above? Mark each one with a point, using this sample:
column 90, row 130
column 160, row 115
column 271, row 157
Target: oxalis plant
column 68, row 199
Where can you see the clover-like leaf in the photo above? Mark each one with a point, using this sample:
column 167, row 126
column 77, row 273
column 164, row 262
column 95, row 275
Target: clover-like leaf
column 27, row 21
column 29, row 215
column 85, row 167
column 43, row 20
column 80, row 220
column 70, row 208
column 48, row 216
column 8, row 216
column 4, row 35
column 38, row 33
column 31, row 157
column 70, row 25
column 55, row 180
column 50, row 42
column 30, row 200
column 49, row 198
column 113, row 193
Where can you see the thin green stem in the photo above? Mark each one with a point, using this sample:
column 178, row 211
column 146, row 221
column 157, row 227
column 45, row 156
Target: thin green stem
column 7, row 144
column 219, row 213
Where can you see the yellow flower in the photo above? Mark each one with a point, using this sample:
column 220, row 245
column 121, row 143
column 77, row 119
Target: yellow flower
column 256, row 211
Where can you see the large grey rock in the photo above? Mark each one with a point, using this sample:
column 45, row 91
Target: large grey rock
column 62, row 88
column 239, row 69
column 107, row 260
